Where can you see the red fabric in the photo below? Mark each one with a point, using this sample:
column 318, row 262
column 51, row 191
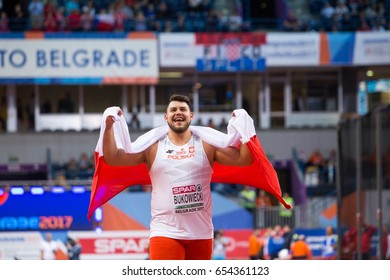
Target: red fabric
column 108, row 181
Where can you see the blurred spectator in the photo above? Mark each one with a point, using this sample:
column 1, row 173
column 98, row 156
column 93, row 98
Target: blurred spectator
column 19, row 21
column 105, row 21
column 119, row 17
column 50, row 24
column 89, row 8
column 211, row 21
column 349, row 245
column 367, row 233
column 61, row 19
column 135, row 123
column 85, row 164
column 86, row 21
column 140, row 22
column 329, row 246
column 291, row 23
column 72, row 169
column 248, row 198
column 275, row 243
column 223, row 125
column 74, row 248
column 300, row 250
column 211, row 123
column 219, row 246
column 254, row 245
column 71, row 5
column 35, row 9
column 49, row 247
column 286, row 215
column 74, row 20
column 263, row 200
column 4, row 22
column 180, row 25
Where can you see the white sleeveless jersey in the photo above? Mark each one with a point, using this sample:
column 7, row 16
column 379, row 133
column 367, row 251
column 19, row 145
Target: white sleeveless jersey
column 181, row 199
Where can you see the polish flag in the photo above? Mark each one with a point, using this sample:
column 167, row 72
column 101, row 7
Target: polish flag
column 108, row 181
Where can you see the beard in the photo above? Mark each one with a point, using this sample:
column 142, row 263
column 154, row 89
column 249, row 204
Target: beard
column 180, row 129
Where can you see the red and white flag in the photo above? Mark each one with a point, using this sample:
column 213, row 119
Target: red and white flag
column 108, row 180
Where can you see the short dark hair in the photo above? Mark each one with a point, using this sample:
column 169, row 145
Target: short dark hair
column 180, row 98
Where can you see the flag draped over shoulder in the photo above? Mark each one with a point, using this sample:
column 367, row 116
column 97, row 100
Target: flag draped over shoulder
column 108, row 180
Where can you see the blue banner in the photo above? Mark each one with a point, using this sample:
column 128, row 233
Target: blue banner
column 46, row 211
column 225, row 65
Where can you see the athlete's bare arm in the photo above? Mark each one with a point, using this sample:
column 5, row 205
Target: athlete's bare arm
column 229, row 156
column 115, row 156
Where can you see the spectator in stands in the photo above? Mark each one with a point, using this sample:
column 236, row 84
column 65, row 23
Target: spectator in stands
column 85, row 166
column 19, row 20
column 105, row 21
column 329, row 247
column 180, row 25
column 49, row 248
column 286, row 215
column 140, row 22
column 74, row 248
column 70, row 6
column 211, row 21
column 367, row 233
column 35, row 9
column 211, row 123
column 291, row 23
column 275, row 243
column 300, row 250
column 254, row 245
column 248, row 198
column 61, row 19
column 135, row 123
column 349, row 244
column 288, row 236
column 74, row 21
column 327, row 16
column 119, row 17
column 4, row 22
column 219, row 246
column 89, row 8
column 50, row 24
column 72, row 169
column 86, row 21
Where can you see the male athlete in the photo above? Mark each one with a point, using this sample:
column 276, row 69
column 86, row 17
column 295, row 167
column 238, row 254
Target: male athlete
column 180, row 166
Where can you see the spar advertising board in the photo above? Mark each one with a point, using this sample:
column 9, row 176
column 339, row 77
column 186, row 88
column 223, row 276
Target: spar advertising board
column 134, row 244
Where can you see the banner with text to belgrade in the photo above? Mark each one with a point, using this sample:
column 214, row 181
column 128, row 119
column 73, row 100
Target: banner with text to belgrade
column 89, row 59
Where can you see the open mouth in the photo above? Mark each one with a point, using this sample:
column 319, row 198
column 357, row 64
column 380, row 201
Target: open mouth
column 178, row 120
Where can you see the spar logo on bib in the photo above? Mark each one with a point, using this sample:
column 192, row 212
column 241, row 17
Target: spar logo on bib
column 188, row 199
column 184, row 189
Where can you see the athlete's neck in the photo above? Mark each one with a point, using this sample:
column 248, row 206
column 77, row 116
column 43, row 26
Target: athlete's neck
column 180, row 139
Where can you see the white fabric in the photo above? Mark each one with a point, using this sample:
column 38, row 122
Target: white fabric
column 181, row 197
column 240, row 127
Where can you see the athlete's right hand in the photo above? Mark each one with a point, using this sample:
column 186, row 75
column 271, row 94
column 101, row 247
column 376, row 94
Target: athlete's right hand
column 111, row 119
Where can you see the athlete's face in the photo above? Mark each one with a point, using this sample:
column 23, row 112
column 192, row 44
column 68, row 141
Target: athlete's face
column 178, row 116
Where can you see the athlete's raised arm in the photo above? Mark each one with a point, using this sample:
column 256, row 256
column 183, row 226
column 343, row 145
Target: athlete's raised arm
column 113, row 155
